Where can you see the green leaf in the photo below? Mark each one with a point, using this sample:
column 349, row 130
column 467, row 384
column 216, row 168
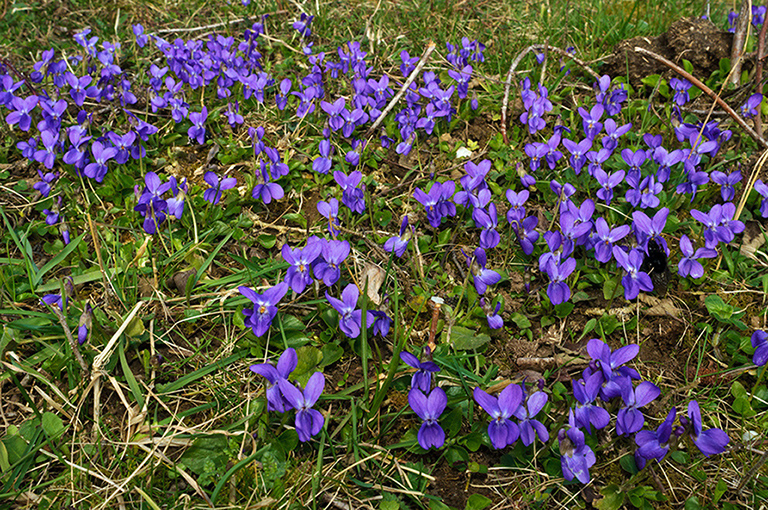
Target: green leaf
column 742, row 406
column 627, row 463
column 452, row 422
column 15, row 446
column 464, row 339
column 53, row 426
column 4, row 464
column 720, row 489
column 612, row 498
column 692, row 503
column 718, row 308
column 332, row 353
column 58, row 259
column 477, row 502
column 309, row 359
column 521, row 320
column 207, row 454
column 563, row 310
column 737, row 390
column 610, row 289
column 267, row 240
column 389, row 505
column 383, row 218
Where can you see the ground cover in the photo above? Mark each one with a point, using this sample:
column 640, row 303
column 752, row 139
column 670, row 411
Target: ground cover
column 352, row 259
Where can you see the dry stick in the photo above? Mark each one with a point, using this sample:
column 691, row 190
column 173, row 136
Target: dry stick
column 516, row 62
column 72, row 342
column 740, row 35
column 430, row 48
column 682, row 72
column 759, row 73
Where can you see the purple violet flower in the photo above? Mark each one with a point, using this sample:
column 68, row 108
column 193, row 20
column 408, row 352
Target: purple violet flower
column 710, row 441
column 635, row 280
column 333, row 254
column 726, row 183
column 575, row 456
column 429, row 408
column 330, row 210
column 501, row 430
column 530, row 427
column 213, row 194
column 285, row 365
column 689, row 264
column 350, row 318
column 482, row 276
column 197, row 130
column 630, row 419
column 301, row 260
column 259, row 318
column 309, row 422
column 437, row 202
column 398, row 244
column 760, row 343
column 422, row 378
column 654, row 444
column 587, row 413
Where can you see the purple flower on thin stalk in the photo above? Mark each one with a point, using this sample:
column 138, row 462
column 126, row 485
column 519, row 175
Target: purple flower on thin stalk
column 55, row 300
column 333, row 254
column 529, row 426
column 482, row 276
column 350, row 317
column 302, row 25
column 647, row 229
column 558, row 290
column 259, row 318
column 591, row 120
column 98, row 168
column 330, row 210
column 613, row 133
column 84, row 324
column 726, row 183
column 301, row 260
column 21, row 110
column 381, row 323
column 197, row 130
column 141, row 37
column 605, row 237
column 749, row 109
column 44, row 185
column 578, row 152
column 611, row 364
column 422, row 378
column 398, row 244
column 437, row 202
column 635, row 280
column 501, row 430
column 760, row 343
column 689, row 264
column 488, row 221
column 285, row 365
column 630, row 419
column 309, row 422
column 762, row 189
column 213, row 194
column 586, row 412
column 492, row 315
column 654, row 444
column 680, row 86
column 429, row 408
column 526, row 233
column 575, row 456
column 710, row 441
column 353, row 197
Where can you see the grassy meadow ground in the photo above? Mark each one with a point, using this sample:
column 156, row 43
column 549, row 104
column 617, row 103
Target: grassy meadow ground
column 159, row 409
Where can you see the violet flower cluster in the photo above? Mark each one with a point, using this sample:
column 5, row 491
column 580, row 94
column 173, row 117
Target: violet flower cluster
column 283, row 395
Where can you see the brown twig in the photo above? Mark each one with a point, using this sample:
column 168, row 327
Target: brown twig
column 688, row 76
column 424, row 58
column 759, row 74
column 739, row 38
column 516, row 62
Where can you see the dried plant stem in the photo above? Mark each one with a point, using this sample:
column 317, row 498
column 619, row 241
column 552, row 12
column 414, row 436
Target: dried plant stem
column 688, row 76
column 214, row 25
column 741, row 31
column 516, row 62
column 72, row 342
column 759, row 74
column 422, row 61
